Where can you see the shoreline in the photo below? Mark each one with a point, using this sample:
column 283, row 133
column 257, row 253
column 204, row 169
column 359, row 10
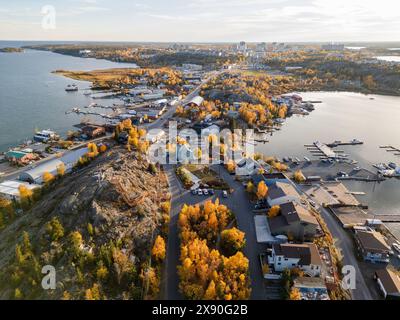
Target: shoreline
column 312, row 88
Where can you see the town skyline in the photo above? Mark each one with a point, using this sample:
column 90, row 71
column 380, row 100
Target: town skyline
column 200, row 21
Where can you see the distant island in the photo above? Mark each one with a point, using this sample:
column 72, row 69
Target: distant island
column 10, row 50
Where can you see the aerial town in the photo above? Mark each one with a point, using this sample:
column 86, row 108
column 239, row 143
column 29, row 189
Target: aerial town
column 141, row 229
column 220, row 171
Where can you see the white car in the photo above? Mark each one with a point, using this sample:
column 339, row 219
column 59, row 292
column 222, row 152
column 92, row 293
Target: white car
column 200, row 192
column 205, row 192
column 225, row 194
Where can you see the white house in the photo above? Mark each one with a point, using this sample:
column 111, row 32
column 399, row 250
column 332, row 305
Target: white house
column 388, row 282
column 303, row 256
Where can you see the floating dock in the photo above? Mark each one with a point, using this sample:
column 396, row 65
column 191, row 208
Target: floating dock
column 396, row 151
column 345, row 143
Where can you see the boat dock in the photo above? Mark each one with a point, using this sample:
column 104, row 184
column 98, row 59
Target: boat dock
column 344, row 143
column 319, row 148
column 391, row 149
column 388, row 218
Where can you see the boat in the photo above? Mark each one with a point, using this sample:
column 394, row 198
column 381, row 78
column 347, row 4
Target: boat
column 392, row 165
column 356, row 141
column 45, row 136
column 71, row 88
column 380, row 166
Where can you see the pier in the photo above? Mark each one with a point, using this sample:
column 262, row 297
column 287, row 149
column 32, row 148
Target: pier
column 345, row 143
column 396, row 151
column 388, row 218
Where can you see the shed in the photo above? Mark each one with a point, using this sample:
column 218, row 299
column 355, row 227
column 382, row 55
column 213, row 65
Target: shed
column 10, row 189
column 35, row 175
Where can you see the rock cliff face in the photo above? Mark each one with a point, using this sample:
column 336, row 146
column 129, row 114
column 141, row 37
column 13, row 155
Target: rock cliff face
column 116, row 195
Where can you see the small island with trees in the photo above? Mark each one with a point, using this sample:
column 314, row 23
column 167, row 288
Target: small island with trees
column 11, row 50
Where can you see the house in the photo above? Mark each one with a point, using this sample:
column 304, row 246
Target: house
column 302, row 256
column 93, row 131
column 247, row 167
column 294, row 221
column 282, row 192
column 389, row 283
column 10, row 189
column 372, row 246
column 197, row 101
column 22, row 157
column 311, row 288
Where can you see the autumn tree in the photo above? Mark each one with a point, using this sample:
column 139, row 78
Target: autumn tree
column 76, row 242
column 295, row 294
column 274, row 211
column 159, row 250
column 47, row 178
column 262, row 190
column 211, row 293
column 61, row 170
column 299, row 176
column 93, row 293
column 55, row 229
column 250, row 187
column 232, row 240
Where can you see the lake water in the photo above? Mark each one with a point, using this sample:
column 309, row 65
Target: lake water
column 344, row 116
column 31, row 97
column 389, row 58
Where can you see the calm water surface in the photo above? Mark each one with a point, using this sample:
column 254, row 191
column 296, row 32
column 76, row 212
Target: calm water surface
column 31, row 97
column 344, row 116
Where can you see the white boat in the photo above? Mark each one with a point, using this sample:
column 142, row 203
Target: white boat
column 380, row 166
column 45, row 136
column 71, row 88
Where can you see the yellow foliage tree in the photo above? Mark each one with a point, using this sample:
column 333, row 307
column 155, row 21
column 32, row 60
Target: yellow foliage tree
column 299, row 176
column 61, row 170
column 47, row 177
column 294, row 294
column 274, row 211
column 262, row 190
column 159, row 250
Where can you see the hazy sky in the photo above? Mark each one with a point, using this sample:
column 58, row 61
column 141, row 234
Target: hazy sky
column 202, row 20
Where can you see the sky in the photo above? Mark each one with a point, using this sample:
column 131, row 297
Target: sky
column 200, row 20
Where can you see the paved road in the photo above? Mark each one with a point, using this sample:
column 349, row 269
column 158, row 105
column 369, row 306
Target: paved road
column 346, row 245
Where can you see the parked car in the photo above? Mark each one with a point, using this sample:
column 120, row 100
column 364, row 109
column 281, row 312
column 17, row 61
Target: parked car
column 205, row 192
column 211, row 191
column 200, row 192
column 224, row 194
column 194, row 192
